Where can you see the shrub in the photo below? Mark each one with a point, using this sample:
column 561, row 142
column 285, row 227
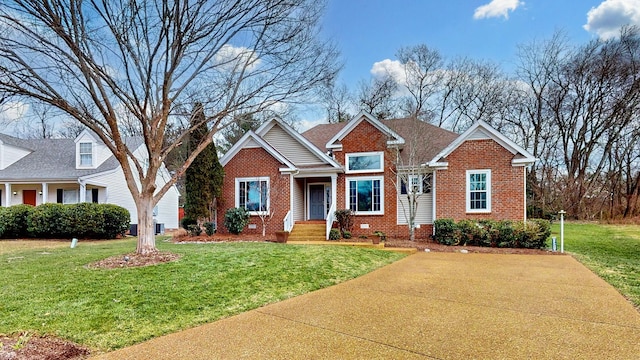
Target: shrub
column 344, row 217
column 334, row 234
column 235, row 219
column 531, row 235
column 49, row 221
column 445, row 231
column 194, row 230
column 346, row 234
column 187, row 221
column 116, row 221
column 13, row 221
column 209, row 228
column 82, row 220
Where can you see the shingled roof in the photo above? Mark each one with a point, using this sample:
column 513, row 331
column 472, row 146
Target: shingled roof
column 432, row 139
column 52, row 159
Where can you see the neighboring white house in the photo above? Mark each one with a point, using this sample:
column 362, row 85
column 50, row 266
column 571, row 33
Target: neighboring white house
column 67, row 171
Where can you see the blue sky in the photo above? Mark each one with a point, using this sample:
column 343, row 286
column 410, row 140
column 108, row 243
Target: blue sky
column 370, row 31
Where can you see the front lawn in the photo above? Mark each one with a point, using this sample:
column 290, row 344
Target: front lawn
column 51, row 291
column 611, row 251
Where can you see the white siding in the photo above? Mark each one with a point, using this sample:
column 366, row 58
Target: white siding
column 117, row 192
column 11, row 154
column 479, row 134
column 291, row 148
column 425, row 210
column 298, row 200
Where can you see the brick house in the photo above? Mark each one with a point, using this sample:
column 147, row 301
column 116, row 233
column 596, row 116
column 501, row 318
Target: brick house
column 368, row 165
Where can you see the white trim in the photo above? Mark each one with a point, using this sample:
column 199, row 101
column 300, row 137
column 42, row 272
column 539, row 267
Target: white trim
column 365, row 178
column 396, row 139
column 249, row 179
column 468, row 191
column 433, row 200
column 494, row 135
column 365, row 171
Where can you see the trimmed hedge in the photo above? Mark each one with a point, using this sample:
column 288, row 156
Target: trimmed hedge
column 489, row 233
column 57, row 221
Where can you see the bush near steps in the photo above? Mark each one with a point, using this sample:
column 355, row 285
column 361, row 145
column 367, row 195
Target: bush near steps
column 58, row 221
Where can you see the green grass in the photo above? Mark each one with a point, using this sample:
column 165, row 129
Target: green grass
column 611, row 251
column 51, row 291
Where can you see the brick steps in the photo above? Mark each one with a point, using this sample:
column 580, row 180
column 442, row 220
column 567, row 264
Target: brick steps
column 308, row 231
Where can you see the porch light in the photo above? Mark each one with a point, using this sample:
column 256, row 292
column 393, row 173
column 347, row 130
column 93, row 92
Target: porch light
column 15, row 193
column 40, row 192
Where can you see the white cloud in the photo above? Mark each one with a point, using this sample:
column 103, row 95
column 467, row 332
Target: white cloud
column 13, row 110
column 497, row 8
column 393, row 68
column 231, row 56
column 607, row 18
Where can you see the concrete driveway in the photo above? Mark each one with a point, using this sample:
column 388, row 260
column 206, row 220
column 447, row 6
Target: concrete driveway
column 429, row 306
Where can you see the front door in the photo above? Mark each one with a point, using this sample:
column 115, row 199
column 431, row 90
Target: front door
column 29, row 197
column 316, row 202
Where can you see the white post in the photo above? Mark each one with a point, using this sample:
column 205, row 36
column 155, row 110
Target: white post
column 562, row 212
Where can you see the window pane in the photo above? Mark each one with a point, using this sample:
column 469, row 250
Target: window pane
column 264, row 195
column 365, row 162
column 376, row 195
column 253, row 196
column 70, row 197
column 85, row 148
column 242, row 191
column 352, row 195
column 365, row 195
column 85, row 159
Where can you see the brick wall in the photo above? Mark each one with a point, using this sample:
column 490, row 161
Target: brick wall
column 255, row 162
column 507, row 182
column 367, row 138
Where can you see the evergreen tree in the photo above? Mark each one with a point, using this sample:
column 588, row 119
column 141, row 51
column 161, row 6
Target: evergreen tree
column 203, row 182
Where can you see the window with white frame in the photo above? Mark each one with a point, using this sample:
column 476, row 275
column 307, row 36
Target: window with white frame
column 86, row 153
column 253, row 194
column 478, row 191
column 364, row 162
column 420, row 183
column 366, row 195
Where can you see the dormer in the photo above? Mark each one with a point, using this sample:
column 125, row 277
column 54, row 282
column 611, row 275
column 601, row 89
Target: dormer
column 89, row 151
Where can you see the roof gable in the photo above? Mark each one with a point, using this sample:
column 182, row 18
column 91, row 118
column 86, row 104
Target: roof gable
column 252, row 140
column 480, row 130
column 334, row 142
column 293, row 145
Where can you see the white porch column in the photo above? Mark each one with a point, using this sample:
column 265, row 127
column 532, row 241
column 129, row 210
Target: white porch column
column 7, row 196
column 45, row 192
column 83, row 192
column 334, row 190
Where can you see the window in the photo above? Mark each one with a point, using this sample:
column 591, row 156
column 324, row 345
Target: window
column 86, row 154
column 422, row 184
column 253, row 194
column 70, row 196
column 365, row 195
column 364, row 162
column 479, row 191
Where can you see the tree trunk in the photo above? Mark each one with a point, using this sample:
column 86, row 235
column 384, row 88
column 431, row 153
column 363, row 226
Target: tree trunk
column 146, row 231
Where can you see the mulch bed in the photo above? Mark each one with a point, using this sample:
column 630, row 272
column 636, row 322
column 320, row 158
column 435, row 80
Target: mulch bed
column 423, row 245
column 23, row 347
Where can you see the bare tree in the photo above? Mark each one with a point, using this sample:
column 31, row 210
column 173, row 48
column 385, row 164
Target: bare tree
column 376, row 97
column 413, row 178
column 423, row 75
column 338, row 102
column 273, row 193
column 100, row 62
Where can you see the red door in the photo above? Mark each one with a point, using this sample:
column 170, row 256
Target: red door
column 29, row 197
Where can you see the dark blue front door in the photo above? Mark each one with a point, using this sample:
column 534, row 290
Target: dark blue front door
column 316, row 202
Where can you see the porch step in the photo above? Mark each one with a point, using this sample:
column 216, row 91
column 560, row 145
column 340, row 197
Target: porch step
column 308, row 231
